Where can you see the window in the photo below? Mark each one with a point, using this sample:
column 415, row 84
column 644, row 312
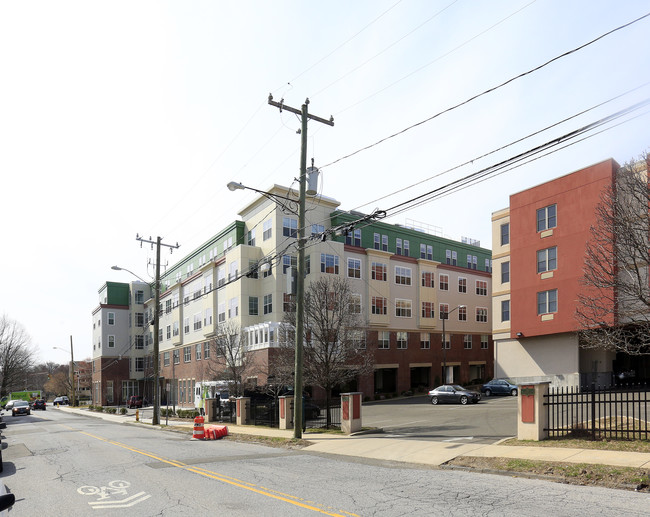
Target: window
column 462, row 285
column 253, row 308
column 426, row 252
column 377, row 242
column 355, row 303
column 427, row 279
column 267, row 230
column 267, row 272
column 402, row 275
column 547, row 259
column 379, row 271
column 547, row 302
column 353, row 238
column 251, row 237
column 481, row 315
column 186, row 325
column 505, row 272
column 234, row 270
column 448, row 257
column 443, row 282
column 383, row 340
column 268, row 303
column 288, row 302
column 139, row 319
column 111, row 341
column 289, row 227
column 317, row 229
column 402, row 340
column 505, row 310
column 198, row 353
column 447, row 342
column 221, row 276
column 444, row 311
column 488, row 265
column 546, row 218
column 467, row 342
column 484, row 341
column 166, row 359
column 425, row 340
column 481, row 287
column 384, row 242
column 505, row 234
column 111, row 318
column 329, row 263
column 139, row 296
column 168, row 306
column 197, row 322
column 139, row 364
column 403, row 308
column 139, row 342
column 428, row 310
column 176, row 354
column 354, row 268
column 221, row 312
column 208, row 317
column 233, row 307
column 206, row 350
column 406, row 248
column 462, row 313
column 176, row 328
column 398, row 246
column 169, row 332
column 187, row 354
column 288, row 262
column 379, row 305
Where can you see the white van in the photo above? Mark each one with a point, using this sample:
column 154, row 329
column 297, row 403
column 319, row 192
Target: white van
column 210, row 390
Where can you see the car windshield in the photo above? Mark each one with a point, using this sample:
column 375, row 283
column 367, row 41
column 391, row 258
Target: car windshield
column 20, row 403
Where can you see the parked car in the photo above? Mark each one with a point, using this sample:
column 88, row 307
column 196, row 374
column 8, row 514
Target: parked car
column 454, row 394
column 20, row 407
column 61, row 401
column 136, row 401
column 39, row 404
column 499, row 387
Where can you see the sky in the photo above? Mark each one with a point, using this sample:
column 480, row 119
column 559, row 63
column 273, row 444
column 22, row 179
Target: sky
column 120, row 118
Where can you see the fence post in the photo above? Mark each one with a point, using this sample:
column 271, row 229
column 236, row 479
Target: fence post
column 532, row 419
column 286, row 412
column 593, row 411
column 243, row 410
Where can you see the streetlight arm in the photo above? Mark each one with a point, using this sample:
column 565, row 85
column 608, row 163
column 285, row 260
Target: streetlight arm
column 280, row 200
column 118, row 268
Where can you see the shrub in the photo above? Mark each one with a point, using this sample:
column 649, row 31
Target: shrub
column 123, row 411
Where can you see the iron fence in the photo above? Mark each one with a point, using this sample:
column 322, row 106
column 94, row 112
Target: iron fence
column 598, row 412
column 316, row 414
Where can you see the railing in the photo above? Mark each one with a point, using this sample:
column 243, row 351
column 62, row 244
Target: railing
column 316, row 414
column 599, row 413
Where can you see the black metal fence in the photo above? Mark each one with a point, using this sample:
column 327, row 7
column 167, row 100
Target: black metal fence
column 599, row 413
column 316, row 414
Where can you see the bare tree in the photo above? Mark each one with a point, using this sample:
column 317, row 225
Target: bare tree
column 334, row 351
column 228, row 362
column 613, row 311
column 16, row 355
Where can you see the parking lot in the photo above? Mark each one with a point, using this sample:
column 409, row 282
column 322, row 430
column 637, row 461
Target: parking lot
column 488, row 421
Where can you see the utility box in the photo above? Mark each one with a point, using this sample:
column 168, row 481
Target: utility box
column 211, row 409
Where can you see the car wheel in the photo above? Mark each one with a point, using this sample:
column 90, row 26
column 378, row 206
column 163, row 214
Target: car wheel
column 29, row 412
column 434, row 400
column 513, row 392
column 488, row 393
column 463, row 400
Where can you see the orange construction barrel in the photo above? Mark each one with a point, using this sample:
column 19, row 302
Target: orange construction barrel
column 199, row 431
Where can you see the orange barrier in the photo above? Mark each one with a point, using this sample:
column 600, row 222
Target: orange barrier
column 214, row 432
column 199, row 431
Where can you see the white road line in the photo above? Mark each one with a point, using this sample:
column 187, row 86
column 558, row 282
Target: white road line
column 96, row 505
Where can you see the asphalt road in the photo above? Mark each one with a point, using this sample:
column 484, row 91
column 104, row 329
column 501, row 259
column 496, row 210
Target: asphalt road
column 66, row 464
column 489, row 421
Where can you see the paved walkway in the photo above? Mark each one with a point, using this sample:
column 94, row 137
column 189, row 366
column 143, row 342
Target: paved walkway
column 383, row 447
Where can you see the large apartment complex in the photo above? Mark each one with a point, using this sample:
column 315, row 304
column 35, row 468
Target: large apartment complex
column 403, row 281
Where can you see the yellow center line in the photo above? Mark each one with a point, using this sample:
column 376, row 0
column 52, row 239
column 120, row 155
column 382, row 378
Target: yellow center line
column 223, row 478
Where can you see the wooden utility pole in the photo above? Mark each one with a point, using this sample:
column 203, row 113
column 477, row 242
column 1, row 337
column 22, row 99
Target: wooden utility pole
column 300, row 283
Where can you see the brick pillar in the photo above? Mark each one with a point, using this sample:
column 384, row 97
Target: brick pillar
column 243, row 410
column 351, row 412
column 532, row 415
column 286, row 411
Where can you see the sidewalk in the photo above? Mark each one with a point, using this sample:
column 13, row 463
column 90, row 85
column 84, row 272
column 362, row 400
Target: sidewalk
column 383, row 447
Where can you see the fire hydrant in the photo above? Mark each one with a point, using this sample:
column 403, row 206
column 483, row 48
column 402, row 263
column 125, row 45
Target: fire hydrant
column 137, row 415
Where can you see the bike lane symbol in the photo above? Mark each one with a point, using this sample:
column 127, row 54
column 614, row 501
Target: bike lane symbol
column 114, row 488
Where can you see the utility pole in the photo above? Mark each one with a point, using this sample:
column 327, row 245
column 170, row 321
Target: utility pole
column 72, row 372
column 156, row 324
column 300, row 282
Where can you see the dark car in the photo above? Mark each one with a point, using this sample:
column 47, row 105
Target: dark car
column 63, row 400
column 39, row 404
column 21, row 407
column 499, row 387
column 136, row 401
column 453, row 394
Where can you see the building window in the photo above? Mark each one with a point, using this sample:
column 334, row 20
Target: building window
column 233, row 308
column 251, row 237
column 206, row 350
column 354, row 268
column 268, row 303
column 166, row 359
column 481, row 287
column 268, row 272
column 176, row 354
column 425, row 340
column 234, row 270
column 451, row 257
column 353, row 238
column 481, row 315
column 402, row 275
column 444, row 311
column 379, row 305
column 197, row 322
column 546, row 218
column 428, row 310
column 505, row 272
column 288, row 303
column 403, row 308
column 221, row 312
column 139, row 319
column 462, row 285
column 398, row 246
column 139, row 296
column 187, row 354
column 208, row 317
column 384, row 242
column 447, row 342
column 289, row 227
column 484, row 341
column 111, row 318
column 406, row 248
column 379, row 271
column 111, row 341
column 505, row 310
column 488, row 265
column 169, row 332
column 383, row 340
column 547, row 302
column 402, row 340
column 428, row 279
column 547, row 259
column 505, row 234
column 462, row 313
column 329, row 263
column 443, row 282
column 377, row 241
column 198, row 351
column 253, row 308
column 467, row 342
column 355, row 303
column 176, row 328
column 267, row 230
column 139, row 364
column 288, row 262
column 317, row 229
column 139, row 342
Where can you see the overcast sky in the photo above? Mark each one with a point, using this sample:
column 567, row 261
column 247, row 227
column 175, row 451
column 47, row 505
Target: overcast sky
column 128, row 117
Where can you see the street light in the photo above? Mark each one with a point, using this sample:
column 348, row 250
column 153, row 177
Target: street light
column 71, row 369
column 444, row 344
column 280, row 200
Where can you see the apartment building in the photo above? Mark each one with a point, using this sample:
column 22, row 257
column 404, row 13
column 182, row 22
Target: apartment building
column 403, row 281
